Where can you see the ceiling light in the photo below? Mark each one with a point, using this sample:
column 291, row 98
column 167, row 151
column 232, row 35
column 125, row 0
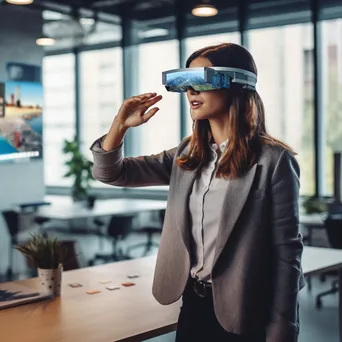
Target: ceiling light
column 20, row 2
column 45, row 41
column 204, row 10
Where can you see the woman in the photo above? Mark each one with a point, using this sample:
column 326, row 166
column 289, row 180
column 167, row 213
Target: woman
column 230, row 244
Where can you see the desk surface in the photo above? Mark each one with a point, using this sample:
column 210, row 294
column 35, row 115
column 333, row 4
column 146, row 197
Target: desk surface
column 312, row 220
column 67, row 210
column 317, row 259
column 128, row 314
column 63, row 208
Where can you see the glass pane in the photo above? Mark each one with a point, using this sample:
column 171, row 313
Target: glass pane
column 195, row 43
column 70, row 33
column 331, row 88
column 265, row 13
column 162, row 131
column 59, row 114
column 155, row 21
column 101, row 88
column 285, row 83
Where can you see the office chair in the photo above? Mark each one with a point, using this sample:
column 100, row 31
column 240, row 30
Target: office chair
column 150, row 231
column 118, row 229
column 333, row 226
column 12, row 223
column 11, row 218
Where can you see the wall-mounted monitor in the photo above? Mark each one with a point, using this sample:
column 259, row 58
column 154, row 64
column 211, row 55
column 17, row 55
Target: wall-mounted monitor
column 21, row 122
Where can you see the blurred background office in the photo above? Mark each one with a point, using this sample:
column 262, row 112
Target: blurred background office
column 81, row 59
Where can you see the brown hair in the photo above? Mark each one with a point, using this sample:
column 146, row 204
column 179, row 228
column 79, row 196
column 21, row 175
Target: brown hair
column 247, row 128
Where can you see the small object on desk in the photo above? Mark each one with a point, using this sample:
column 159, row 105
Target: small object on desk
column 105, row 281
column 93, row 292
column 127, row 284
column 74, row 285
column 112, row 287
column 133, row 275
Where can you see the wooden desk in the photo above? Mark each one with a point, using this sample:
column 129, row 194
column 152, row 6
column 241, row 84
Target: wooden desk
column 129, row 314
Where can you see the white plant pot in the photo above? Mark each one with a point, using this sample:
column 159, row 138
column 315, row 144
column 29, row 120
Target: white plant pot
column 51, row 280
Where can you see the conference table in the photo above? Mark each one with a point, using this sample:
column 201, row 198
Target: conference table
column 311, row 222
column 63, row 209
column 127, row 314
column 66, row 210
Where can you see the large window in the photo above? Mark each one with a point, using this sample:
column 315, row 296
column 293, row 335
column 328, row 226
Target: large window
column 162, row 131
column 59, row 114
column 101, row 93
column 285, row 83
column 195, row 43
column 331, row 90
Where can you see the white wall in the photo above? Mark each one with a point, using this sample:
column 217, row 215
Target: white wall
column 20, row 182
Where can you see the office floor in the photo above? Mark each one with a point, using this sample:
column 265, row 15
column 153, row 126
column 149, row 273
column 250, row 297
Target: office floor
column 316, row 325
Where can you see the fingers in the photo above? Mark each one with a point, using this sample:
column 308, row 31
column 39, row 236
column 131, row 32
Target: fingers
column 142, row 97
column 150, row 113
column 152, row 101
column 147, row 95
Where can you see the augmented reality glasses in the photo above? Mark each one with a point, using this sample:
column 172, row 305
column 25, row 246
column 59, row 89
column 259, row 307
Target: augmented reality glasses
column 207, row 78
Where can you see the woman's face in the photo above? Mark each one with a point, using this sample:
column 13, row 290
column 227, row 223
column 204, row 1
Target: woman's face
column 210, row 104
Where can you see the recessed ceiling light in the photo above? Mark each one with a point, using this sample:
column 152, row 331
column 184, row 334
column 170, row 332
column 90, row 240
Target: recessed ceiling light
column 20, row 2
column 204, row 10
column 45, row 41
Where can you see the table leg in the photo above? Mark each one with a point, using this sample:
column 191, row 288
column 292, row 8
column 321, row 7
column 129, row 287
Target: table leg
column 309, row 236
column 340, row 303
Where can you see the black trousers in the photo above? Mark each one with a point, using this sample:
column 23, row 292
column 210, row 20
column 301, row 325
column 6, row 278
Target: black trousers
column 197, row 321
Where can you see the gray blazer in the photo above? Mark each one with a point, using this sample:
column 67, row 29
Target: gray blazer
column 257, row 271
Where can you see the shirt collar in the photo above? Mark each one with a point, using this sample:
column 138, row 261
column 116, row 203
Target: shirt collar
column 222, row 146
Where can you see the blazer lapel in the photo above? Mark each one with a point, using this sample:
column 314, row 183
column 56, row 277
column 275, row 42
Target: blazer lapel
column 185, row 182
column 235, row 199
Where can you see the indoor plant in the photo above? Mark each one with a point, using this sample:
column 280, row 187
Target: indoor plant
column 314, row 205
column 48, row 255
column 79, row 168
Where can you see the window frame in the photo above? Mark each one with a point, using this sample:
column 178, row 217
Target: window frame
column 316, row 8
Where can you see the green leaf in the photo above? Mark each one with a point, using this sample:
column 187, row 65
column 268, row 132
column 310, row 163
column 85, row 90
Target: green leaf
column 44, row 252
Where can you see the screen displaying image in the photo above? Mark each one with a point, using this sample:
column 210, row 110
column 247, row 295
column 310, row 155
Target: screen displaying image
column 21, row 126
column 220, row 80
column 180, row 81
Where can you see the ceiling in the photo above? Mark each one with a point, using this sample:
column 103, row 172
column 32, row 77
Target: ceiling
column 136, row 9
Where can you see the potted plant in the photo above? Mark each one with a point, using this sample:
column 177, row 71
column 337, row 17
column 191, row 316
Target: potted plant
column 314, row 205
column 48, row 255
column 79, row 168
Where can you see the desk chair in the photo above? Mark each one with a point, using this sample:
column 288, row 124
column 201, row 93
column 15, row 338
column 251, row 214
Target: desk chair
column 333, row 226
column 150, row 231
column 118, row 229
column 12, row 222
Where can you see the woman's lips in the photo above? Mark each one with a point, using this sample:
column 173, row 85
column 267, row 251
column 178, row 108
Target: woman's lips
column 195, row 104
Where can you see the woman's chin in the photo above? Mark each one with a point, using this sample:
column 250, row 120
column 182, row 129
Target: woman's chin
column 198, row 115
